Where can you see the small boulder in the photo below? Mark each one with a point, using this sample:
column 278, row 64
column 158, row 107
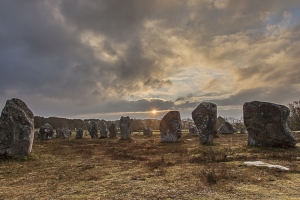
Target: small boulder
column 46, row 132
column 267, row 124
column 170, row 127
column 226, row 128
column 125, row 129
column 103, row 131
column 147, row 131
column 16, row 129
column 93, row 130
column 113, row 130
column 79, row 133
column 205, row 116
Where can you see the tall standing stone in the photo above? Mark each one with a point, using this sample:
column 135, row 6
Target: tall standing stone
column 79, row 133
column 93, row 129
column 46, row 132
column 113, row 130
column 65, row 133
column 267, row 124
column 103, row 131
column 125, row 129
column 205, row 116
column 226, row 128
column 16, row 129
column 170, row 127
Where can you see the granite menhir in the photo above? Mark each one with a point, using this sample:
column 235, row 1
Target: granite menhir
column 125, row 129
column 205, row 118
column 16, row 129
column 170, row 127
column 267, row 125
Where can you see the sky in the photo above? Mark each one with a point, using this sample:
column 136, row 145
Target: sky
column 109, row 58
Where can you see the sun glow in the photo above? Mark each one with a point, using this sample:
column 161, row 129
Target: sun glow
column 154, row 111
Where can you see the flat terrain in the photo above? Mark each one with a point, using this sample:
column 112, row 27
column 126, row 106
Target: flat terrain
column 145, row 168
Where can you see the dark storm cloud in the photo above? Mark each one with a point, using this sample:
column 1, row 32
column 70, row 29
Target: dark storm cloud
column 73, row 57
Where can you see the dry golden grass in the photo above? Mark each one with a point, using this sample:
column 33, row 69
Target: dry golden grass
column 145, row 168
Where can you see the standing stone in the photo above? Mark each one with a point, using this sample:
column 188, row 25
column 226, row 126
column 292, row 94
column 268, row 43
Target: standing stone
column 267, row 125
column 243, row 130
column 125, row 129
column 226, row 128
column 65, row 133
column 220, row 121
column 170, row 127
column 79, row 133
column 103, row 130
column 193, row 130
column 93, row 130
column 16, row 129
column 46, row 132
column 58, row 133
column 205, row 116
column 37, row 135
column 113, row 130
column 147, row 131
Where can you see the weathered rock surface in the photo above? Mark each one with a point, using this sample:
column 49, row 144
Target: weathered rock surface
column 16, row 129
column 170, row 127
column 147, row 131
column 65, row 133
column 46, row 132
column 79, row 133
column 125, row 129
column 113, row 130
column 220, row 121
column 93, row 130
column 267, row 124
column 58, row 133
column 193, row 130
column 205, row 117
column 103, row 131
column 226, row 128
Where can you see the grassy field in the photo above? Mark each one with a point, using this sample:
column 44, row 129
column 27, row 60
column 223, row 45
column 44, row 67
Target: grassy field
column 145, row 168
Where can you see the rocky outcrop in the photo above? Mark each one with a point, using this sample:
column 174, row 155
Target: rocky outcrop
column 226, row 128
column 93, row 129
column 16, row 129
column 267, row 124
column 46, row 132
column 125, row 129
column 170, row 127
column 205, row 117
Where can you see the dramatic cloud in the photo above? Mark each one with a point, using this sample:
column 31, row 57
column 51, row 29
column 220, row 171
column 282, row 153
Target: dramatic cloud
column 106, row 58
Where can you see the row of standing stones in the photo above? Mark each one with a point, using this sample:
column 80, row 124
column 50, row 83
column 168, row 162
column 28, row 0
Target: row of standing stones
column 266, row 124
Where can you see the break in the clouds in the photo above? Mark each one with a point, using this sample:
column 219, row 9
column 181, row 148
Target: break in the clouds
column 107, row 58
